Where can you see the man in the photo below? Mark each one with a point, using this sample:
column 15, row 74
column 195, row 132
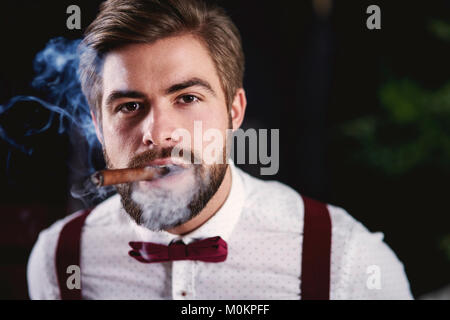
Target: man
column 206, row 230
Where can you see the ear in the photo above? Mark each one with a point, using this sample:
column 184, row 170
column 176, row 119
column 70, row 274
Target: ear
column 238, row 108
column 97, row 128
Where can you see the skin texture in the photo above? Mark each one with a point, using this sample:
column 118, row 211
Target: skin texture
column 135, row 123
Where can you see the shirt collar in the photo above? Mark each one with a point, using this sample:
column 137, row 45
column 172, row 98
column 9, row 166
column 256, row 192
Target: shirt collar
column 221, row 224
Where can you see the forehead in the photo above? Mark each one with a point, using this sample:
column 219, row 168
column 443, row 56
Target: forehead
column 153, row 67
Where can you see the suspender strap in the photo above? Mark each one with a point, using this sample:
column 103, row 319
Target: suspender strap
column 316, row 252
column 316, row 255
column 68, row 253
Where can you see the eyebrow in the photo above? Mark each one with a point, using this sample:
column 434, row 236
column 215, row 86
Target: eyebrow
column 190, row 83
column 119, row 94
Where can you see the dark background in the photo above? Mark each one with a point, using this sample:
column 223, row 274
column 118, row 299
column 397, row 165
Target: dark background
column 309, row 72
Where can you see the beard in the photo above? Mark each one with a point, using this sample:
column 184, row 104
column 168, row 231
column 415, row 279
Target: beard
column 162, row 208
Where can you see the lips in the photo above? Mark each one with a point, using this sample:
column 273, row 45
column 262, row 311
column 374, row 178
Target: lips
column 169, row 167
column 167, row 162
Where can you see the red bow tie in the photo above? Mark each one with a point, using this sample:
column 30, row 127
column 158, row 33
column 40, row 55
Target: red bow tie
column 207, row 250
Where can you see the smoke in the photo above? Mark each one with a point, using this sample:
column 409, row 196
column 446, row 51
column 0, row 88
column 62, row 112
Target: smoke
column 165, row 208
column 57, row 78
column 57, row 74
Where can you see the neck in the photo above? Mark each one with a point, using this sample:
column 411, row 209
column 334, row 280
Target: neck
column 209, row 210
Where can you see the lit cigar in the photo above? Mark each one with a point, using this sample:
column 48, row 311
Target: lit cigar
column 116, row 176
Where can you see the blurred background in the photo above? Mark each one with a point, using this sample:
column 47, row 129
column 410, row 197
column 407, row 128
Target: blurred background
column 364, row 120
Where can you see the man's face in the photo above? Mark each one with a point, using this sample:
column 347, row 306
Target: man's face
column 149, row 91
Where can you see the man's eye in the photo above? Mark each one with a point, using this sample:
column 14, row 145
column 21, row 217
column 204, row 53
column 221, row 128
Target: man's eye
column 129, row 107
column 188, row 98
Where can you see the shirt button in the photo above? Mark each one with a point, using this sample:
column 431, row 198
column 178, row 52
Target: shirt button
column 183, row 293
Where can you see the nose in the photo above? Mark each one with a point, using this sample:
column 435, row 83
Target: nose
column 158, row 127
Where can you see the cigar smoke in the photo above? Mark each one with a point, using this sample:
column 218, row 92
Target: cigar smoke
column 166, row 208
column 56, row 68
column 57, row 79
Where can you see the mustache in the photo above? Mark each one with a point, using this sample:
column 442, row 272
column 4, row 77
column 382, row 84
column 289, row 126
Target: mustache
column 147, row 156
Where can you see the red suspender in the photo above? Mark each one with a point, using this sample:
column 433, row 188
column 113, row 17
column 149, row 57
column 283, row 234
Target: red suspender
column 316, row 254
column 68, row 253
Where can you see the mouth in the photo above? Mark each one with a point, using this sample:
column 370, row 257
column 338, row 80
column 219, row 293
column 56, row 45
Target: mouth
column 174, row 174
column 167, row 170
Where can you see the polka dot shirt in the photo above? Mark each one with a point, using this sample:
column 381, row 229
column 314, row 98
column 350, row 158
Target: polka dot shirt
column 262, row 223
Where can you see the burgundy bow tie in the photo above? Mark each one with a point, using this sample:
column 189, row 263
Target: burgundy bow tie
column 208, row 250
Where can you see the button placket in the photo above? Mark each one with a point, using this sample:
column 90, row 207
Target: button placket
column 182, row 280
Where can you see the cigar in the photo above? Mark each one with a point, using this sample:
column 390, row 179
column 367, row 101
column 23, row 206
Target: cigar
column 104, row 178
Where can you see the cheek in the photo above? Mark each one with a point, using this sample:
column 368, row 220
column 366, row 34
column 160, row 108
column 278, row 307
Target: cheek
column 119, row 144
column 208, row 136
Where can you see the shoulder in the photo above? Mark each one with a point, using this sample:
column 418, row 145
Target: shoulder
column 358, row 255
column 100, row 214
column 363, row 264
column 41, row 272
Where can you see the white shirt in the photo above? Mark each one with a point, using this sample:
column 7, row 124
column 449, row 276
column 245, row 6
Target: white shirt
column 262, row 223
